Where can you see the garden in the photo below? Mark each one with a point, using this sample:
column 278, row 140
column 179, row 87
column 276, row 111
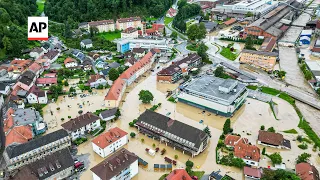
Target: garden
column 229, row 52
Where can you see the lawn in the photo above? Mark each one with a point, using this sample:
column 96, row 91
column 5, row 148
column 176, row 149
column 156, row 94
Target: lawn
column 110, row 35
column 199, row 174
column 151, row 19
column 271, row 91
column 227, row 53
column 291, row 131
column 192, row 47
column 167, row 20
column 252, row 87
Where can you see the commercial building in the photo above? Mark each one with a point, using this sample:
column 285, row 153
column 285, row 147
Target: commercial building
column 82, row 124
column 307, row 171
column 174, row 72
column 124, row 23
column 173, row 132
column 125, row 45
column 120, row 165
column 19, row 155
column 241, row 8
column 102, row 26
column 272, row 24
column 260, row 59
column 274, row 140
column 109, row 142
column 57, row 165
column 220, row 96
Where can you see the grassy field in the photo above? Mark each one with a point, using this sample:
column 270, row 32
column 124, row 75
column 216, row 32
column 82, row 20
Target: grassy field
column 167, row 20
column 226, row 52
column 151, row 19
column 110, row 35
column 291, row 131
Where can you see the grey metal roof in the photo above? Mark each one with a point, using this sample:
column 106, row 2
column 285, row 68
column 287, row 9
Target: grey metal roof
column 260, row 52
column 108, row 113
column 114, row 65
column 208, row 86
column 16, row 150
column 175, row 127
column 87, row 41
column 26, row 116
column 51, row 164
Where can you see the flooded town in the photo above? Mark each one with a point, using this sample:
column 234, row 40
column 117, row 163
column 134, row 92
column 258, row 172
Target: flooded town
column 160, row 90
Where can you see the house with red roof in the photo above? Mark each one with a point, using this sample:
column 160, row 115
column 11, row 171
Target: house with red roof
column 36, row 69
column 109, row 142
column 45, row 63
column 178, row 174
column 171, row 13
column 252, row 173
column 18, row 66
column 307, row 171
column 70, row 62
column 96, row 80
column 37, row 96
column 115, row 93
column 43, row 82
column 250, row 154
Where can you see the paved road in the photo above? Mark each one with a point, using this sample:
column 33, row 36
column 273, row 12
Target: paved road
column 182, row 48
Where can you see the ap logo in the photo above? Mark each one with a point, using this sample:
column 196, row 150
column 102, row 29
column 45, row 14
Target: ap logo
column 37, row 28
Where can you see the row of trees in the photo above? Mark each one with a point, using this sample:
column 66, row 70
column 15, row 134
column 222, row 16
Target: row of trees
column 89, row 10
column 185, row 11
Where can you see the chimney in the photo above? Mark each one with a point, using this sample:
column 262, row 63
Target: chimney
column 110, row 166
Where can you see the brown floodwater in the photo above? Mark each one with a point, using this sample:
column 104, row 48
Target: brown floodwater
column 252, row 114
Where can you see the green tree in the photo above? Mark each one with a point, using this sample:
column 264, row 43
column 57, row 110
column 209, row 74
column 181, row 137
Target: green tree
column 132, row 134
column 202, row 31
column 202, row 51
column 113, row 74
column 304, row 157
column 249, row 14
column 145, row 96
column 282, row 74
column 262, row 128
column 271, row 129
column 263, row 151
column 227, row 126
column 275, row 158
column 72, row 90
column 308, row 75
column 174, row 35
column 238, row 162
column 318, row 91
column 207, row 131
column 192, row 32
column 164, row 31
column 219, row 72
column 7, row 44
column 93, row 31
column 206, row 17
column 249, row 43
column 189, row 164
column 280, row 174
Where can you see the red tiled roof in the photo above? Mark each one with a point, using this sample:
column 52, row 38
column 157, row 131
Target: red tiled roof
column 113, row 134
column 46, row 81
column 19, row 134
column 231, row 140
column 34, row 67
column 115, row 89
column 68, row 60
column 129, row 30
column 133, row 69
column 150, row 31
column 157, row 26
column 94, row 78
column 50, row 75
column 230, row 21
column 178, row 174
column 307, row 171
column 19, row 65
column 252, row 172
column 122, row 20
column 97, row 23
column 139, row 32
column 270, row 138
column 246, row 151
column 37, row 91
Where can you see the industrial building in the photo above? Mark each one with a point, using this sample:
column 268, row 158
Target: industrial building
column 217, row 95
column 125, row 45
column 275, row 23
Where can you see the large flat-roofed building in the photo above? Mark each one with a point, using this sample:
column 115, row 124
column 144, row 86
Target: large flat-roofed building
column 257, row 7
column 173, row 133
column 220, row 96
column 272, row 24
column 260, row 59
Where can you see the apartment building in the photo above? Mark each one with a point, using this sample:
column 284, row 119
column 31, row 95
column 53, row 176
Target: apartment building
column 109, row 142
column 175, row 71
column 220, row 96
column 58, row 165
column 120, row 165
column 102, row 26
column 173, row 132
column 82, row 124
column 20, row 155
column 129, row 33
column 124, row 23
column 259, row 59
column 115, row 93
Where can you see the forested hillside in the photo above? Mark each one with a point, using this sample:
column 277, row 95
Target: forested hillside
column 13, row 26
column 88, row 10
column 185, row 11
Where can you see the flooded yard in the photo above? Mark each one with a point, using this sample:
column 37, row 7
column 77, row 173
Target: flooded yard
column 247, row 119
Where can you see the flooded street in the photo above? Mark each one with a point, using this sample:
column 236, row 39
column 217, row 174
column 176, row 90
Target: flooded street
column 289, row 64
column 248, row 119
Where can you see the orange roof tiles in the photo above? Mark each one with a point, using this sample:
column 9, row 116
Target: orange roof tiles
column 246, row 151
column 178, row 174
column 68, row 60
column 19, row 134
column 34, row 67
column 230, row 21
column 307, row 171
column 113, row 134
column 20, row 65
column 231, row 140
column 115, row 89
